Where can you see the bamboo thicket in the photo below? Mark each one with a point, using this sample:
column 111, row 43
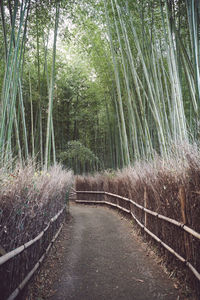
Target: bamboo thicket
column 152, row 67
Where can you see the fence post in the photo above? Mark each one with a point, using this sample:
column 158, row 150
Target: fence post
column 146, row 206
column 182, row 199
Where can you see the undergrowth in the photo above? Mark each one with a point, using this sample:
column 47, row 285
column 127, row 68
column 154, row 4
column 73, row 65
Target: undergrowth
column 29, row 198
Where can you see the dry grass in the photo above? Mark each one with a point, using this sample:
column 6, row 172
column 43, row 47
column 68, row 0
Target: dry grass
column 28, row 199
column 162, row 179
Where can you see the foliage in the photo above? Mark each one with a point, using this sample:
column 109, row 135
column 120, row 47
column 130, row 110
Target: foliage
column 79, row 158
column 126, row 78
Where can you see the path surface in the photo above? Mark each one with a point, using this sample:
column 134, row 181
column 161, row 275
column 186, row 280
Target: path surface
column 103, row 261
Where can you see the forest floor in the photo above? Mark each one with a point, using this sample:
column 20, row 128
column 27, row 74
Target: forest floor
column 100, row 256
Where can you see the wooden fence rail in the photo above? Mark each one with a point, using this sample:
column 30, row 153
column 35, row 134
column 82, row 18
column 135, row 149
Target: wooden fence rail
column 154, row 214
column 12, row 255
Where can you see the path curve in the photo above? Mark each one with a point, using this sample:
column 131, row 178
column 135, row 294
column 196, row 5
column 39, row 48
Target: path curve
column 104, row 261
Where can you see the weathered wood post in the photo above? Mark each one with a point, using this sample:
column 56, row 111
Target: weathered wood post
column 146, row 206
column 182, row 199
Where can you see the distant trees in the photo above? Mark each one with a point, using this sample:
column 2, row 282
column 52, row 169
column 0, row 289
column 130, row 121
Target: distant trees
column 79, row 158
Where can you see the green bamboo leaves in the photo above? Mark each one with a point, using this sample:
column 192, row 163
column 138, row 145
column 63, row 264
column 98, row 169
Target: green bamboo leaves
column 145, row 58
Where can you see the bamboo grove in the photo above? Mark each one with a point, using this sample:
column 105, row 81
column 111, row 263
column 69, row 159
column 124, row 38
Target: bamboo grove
column 156, row 70
column 13, row 117
column 118, row 81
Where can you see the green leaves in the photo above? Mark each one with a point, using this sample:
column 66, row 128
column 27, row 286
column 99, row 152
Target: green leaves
column 79, row 158
column 123, row 78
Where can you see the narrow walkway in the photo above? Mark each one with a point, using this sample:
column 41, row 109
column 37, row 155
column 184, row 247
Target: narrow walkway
column 104, row 262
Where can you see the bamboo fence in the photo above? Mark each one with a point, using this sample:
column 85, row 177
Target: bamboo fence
column 127, row 205
column 19, row 265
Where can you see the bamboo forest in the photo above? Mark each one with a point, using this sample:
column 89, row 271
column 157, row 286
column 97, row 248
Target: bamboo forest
column 99, row 84
column 99, row 95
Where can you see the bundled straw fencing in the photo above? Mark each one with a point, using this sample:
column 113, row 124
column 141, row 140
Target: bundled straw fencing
column 174, row 236
column 17, row 266
column 32, row 211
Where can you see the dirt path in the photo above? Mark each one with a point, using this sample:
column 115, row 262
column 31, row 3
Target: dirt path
column 102, row 260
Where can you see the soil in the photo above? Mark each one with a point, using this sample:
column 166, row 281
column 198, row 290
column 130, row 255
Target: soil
column 99, row 256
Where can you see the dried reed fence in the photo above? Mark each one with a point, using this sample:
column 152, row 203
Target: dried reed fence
column 32, row 210
column 18, row 266
column 174, row 236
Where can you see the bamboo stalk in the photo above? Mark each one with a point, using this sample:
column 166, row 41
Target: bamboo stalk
column 51, row 90
column 117, row 79
column 32, row 126
column 12, row 77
